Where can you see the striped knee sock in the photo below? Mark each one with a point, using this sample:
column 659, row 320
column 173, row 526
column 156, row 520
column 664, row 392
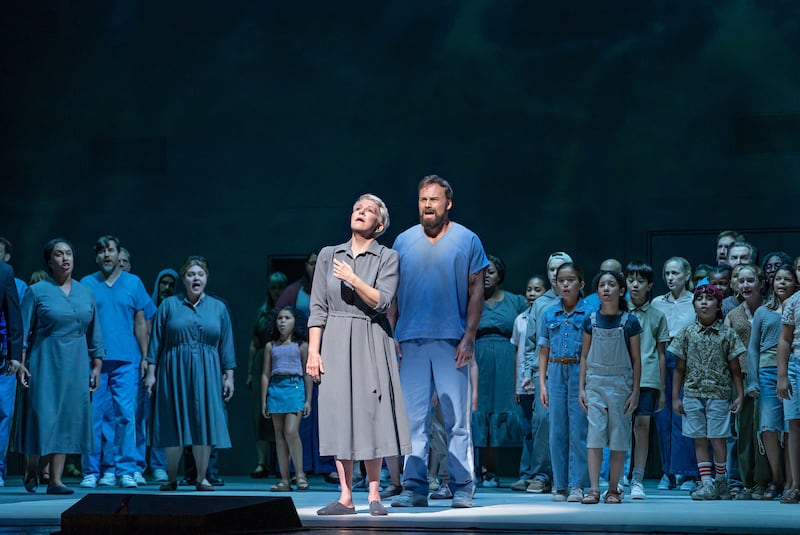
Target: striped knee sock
column 705, row 470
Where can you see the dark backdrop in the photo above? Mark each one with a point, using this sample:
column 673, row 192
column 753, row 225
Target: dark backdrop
column 243, row 129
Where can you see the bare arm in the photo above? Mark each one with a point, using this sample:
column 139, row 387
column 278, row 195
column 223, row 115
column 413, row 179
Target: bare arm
column 677, row 383
column 784, row 388
column 141, row 330
column 736, row 375
column 636, row 364
column 307, row 382
column 585, row 345
column 465, row 351
column 662, row 367
column 544, row 359
column 265, row 373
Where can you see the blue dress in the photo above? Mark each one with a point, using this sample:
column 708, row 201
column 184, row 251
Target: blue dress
column 190, row 346
column 495, row 422
column 64, row 335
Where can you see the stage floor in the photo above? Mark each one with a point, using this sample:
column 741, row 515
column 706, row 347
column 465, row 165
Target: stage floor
column 495, row 510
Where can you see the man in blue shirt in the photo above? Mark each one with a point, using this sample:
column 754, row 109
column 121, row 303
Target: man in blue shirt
column 122, row 306
column 438, row 307
column 11, row 292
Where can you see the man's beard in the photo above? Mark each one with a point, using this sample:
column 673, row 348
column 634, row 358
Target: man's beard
column 430, row 224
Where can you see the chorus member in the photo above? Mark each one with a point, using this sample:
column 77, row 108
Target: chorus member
column 12, row 290
column 707, row 354
column 286, row 390
column 610, row 373
column 772, row 261
column 753, row 465
column 788, row 388
column 439, row 304
column 677, row 451
column 190, row 374
column 493, row 423
column 762, row 379
column 352, row 355
column 123, row 307
column 64, row 354
column 560, row 344
column 525, row 397
column 540, row 422
column 265, row 433
column 653, row 339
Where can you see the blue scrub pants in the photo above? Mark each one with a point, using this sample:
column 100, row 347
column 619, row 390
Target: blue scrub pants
column 114, row 407
column 429, row 364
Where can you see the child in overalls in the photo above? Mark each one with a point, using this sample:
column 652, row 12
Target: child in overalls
column 609, row 382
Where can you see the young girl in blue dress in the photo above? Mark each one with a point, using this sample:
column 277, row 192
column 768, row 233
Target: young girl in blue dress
column 286, row 391
column 609, row 382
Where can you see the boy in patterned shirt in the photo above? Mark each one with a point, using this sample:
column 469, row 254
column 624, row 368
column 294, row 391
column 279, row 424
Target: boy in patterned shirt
column 707, row 354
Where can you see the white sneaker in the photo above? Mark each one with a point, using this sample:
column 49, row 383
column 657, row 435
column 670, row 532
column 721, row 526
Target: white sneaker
column 665, row 483
column 89, row 482
column 127, row 482
column 575, row 495
column 689, row 485
column 637, row 490
column 2, row 482
column 625, row 481
column 108, row 479
column 139, row 478
column 160, row 475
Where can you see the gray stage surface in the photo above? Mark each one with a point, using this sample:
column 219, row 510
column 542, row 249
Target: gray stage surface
column 495, row 510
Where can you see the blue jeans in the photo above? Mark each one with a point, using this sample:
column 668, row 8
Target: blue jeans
column 568, row 427
column 114, row 406
column 677, row 451
column 535, row 421
column 429, row 364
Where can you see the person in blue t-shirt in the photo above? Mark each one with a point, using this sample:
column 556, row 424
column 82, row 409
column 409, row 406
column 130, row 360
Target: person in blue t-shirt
column 438, row 307
column 123, row 306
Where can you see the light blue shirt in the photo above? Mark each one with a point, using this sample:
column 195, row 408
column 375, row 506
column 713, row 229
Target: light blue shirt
column 116, row 307
column 433, row 291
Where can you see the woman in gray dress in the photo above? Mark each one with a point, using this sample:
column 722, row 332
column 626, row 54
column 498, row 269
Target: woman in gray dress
column 361, row 411
column 190, row 365
column 63, row 354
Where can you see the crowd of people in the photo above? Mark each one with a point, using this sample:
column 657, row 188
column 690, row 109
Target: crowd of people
column 416, row 353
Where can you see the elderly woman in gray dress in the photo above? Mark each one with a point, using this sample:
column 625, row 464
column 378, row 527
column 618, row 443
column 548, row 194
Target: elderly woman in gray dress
column 361, row 411
column 63, row 355
column 190, row 373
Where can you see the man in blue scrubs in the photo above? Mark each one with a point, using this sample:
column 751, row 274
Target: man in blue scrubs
column 438, row 307
column 122, row 306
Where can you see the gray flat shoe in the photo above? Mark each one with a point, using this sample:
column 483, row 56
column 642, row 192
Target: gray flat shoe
column 377, row 509
column 336, row 508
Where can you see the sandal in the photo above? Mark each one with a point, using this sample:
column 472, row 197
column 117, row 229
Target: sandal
column 613, row 496
column 791, row 496
column 592, row 497
column 302, row 483
column 772, row 492
column 281, row 486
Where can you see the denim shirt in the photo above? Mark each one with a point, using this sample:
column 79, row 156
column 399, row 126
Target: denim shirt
column 562, row 331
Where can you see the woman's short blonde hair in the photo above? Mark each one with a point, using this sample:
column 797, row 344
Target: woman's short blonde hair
column 195, row 260
column 383, row 211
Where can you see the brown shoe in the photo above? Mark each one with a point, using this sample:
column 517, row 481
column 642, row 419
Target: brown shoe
column 592, row 497
column 613, row 496
column 203, row 487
